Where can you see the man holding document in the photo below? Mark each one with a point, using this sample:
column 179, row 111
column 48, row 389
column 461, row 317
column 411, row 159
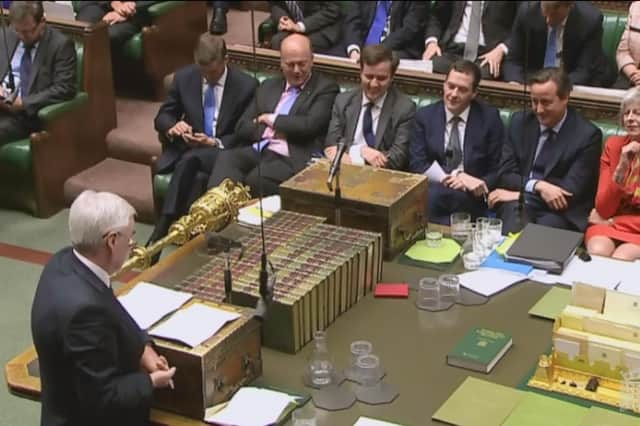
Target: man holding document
column 97, row 367
column 456, row 143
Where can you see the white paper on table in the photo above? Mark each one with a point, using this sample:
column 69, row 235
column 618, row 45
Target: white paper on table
column 542, row 276
column 630, row 287
column 147, row 303
column 368, row 421
column 416, row 65
column 194, row 324
column 599, row 272
column 252, row 407
column 435, row 172
column 251, row 214
column 489, row 281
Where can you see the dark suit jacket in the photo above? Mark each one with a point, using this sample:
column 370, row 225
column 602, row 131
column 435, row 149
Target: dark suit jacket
column 89, row 350
column 582, row 54
column 497, row 19
column 482, row 145
column 406, row 25
column 323, row 17
column 184, row 102
column 394, row 124
column 305, row 126
column 574, row 163
column 53, row 73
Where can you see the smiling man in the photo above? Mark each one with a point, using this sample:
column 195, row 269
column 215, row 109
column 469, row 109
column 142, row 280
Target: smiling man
column 42, row 71
column 464, row 137
column 552, row 154
column 374, row 120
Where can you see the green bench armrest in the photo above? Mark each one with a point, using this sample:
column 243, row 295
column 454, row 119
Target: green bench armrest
column 163, row 8
column 51, row 112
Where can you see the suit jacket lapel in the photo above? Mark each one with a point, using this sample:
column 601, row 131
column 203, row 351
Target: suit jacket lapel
column 12, row 43
column 560, row 143
column 89, row 276
column 470, row 138
column 352, row 114
column 227, row 101
column 385, row 116
column 43, row 47
column 532, row 135
column 440, row 125
column 302, row 96
column 196, row 85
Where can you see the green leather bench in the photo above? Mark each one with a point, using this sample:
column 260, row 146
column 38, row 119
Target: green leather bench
column 33, row 170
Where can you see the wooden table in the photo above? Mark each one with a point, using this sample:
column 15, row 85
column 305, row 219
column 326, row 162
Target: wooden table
column 412, row 344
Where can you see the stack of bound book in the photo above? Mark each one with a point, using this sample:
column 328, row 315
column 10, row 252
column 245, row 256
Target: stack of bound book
column 322, row 270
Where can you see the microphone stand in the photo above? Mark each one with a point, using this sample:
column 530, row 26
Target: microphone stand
column 334, row 174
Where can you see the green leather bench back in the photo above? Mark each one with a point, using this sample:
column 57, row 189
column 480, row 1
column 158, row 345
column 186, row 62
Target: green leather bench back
column 613, row 25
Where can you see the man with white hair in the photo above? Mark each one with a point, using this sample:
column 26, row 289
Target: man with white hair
column 97, row 367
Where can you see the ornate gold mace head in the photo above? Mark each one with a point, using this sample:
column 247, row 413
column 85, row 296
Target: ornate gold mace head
column 217, row 208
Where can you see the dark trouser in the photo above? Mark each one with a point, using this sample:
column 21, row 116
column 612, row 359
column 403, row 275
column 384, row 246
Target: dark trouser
column 319, row 42
column 241, row 166
column 118, row 33
column 453, row 53
column 14, row 126
column 534, row 211
column 622, row 82
column 442, row 201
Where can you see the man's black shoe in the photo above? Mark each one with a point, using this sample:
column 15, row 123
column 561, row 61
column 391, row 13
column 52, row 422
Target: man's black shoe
column 218, row 22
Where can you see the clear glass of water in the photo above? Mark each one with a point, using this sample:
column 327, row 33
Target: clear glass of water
column 305, row 416
column 428, row 293
column 449, row 288
column 460, row 226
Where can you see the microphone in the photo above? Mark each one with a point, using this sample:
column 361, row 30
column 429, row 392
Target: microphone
column 335, row 165
column 266, row 280
column 11, row 85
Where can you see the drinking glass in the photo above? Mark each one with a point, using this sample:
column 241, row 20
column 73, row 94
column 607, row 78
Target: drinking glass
column 460, row 224
column 428, row 293
column 449, row 286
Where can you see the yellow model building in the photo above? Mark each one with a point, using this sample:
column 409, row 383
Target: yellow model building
column 596, row 349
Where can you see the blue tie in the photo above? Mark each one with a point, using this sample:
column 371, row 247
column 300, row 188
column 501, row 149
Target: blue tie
column 544, row 155
column 25, row 71
column 209, row 110
column 552, row 51
column 367, row 126
column 379, row 22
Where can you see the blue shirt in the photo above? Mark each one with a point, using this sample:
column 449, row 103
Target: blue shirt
column 15, row 65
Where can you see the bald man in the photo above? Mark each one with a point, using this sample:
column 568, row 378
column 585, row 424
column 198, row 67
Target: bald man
column 284, row 125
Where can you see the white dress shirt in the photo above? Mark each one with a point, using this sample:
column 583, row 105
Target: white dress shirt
column 461, row 35
column 462, row 126
column 97, row 270
column 355, row 151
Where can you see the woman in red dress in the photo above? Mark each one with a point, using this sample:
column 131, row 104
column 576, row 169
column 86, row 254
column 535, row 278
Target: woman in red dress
column 615, row 221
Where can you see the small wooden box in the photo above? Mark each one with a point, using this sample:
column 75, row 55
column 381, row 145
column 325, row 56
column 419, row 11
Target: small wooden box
column 379, row 200
column 211, row 372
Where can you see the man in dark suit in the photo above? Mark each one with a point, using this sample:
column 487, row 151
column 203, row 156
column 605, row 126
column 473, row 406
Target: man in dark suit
column 284, row 125
column 473, row 30
column 96, row 366
column 559, row 33
column 551, row 157
column 318, row 20
column 125, row 18
column 462, row 137
column 196, row 121
column 374, row 121
column 397, row 25
column 42, row 72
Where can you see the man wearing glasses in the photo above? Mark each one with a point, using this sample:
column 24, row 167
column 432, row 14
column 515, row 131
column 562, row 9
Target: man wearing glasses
column 38, row 68
column 97, row 367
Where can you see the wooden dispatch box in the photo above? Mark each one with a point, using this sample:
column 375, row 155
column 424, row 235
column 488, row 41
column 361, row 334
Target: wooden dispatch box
column 210, row 373
column 379, row 200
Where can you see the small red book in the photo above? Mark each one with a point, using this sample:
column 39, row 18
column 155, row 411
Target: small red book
column 392, row 290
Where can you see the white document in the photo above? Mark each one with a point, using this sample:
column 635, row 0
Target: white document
column 252, row 407
column 368, row 421
column 194, row 324
column 599, row 272
column 416, row 65
column 489, row 281
column 629, row 287
column 435, row 173
column 251, row 214
column 147, row 303
column 542, row 276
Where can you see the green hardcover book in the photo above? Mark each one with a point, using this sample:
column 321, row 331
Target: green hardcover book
column 480, row 349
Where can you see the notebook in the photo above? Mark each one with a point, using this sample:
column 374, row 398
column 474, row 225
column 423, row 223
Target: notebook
column 544, row 247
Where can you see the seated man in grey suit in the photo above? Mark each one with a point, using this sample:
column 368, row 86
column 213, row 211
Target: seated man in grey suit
column 42, row 70
column 550, row 160
column 283, row 126
column 463, row 136
column 374, row 120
